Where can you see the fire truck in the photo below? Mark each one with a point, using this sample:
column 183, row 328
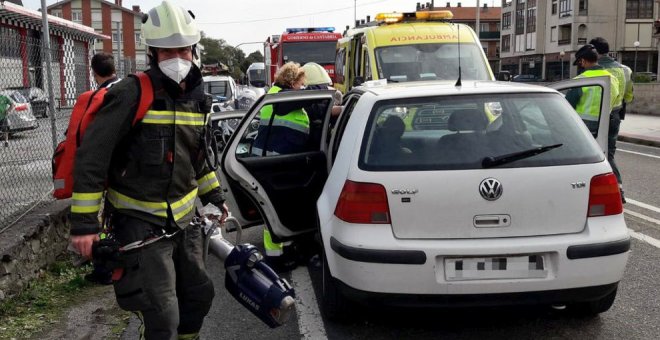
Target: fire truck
column 301, row 45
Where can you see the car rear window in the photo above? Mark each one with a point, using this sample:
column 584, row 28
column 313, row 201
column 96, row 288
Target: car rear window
column 459, row 132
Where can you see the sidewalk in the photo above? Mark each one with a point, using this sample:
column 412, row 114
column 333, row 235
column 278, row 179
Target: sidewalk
column 640, row 129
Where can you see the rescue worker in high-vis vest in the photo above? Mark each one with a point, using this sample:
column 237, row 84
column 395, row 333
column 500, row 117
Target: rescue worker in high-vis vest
column 283, row 129
column 153, row 172
column 587, row 100
column 623, row 74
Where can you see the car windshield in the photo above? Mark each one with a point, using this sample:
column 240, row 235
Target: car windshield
column 321, row 52
column 461, row 132
column 218, row 88
column 430, row 62
column 257, row 77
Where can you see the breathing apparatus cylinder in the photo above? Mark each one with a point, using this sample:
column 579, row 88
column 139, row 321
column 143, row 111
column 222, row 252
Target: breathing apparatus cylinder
column 250, row 280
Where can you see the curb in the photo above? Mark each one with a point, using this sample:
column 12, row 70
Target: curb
column 639, row 139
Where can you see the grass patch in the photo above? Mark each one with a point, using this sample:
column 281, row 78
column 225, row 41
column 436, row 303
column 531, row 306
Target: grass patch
column 43, row 302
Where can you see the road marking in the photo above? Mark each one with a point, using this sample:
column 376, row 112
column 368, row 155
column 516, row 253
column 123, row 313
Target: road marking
column 310, row 322
column 644, row 217
column 643, row 205
column 639, row 153
column 648, row 239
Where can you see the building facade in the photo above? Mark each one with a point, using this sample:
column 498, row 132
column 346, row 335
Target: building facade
column 23, row 63
column 111, row 19
column 540, row 37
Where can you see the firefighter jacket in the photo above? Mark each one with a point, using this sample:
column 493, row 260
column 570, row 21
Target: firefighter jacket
column 153, row 170
column 287, row 133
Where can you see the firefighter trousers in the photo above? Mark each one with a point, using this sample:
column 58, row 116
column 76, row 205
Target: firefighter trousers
column 165, row 283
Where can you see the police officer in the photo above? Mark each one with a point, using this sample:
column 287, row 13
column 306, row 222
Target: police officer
column 623, row 74
column 154, row 172
column 587, row 100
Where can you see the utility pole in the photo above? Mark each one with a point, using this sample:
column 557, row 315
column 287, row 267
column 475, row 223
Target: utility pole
column 354, row 11
column 477, row 28
column 48, row 61
column 120, row 64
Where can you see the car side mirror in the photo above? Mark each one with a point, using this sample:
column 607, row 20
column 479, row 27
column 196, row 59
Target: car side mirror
column 358, row 81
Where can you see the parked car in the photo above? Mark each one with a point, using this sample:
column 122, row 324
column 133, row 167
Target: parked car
column 19, row 116
column 518, row 207
column 224, row 91
column 526, row 78
column 37, row 97
column 650, row 75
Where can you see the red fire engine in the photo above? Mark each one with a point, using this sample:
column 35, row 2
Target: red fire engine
column 301, row 45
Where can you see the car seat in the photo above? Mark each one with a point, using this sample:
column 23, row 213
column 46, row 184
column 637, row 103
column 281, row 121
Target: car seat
column 386, row 143
column 468, row 143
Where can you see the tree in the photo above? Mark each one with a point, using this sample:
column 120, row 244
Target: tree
column 218, row 51
column 254, row 57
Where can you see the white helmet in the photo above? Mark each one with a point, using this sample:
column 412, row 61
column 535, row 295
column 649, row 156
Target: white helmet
column 315, row 74
column 169, row 26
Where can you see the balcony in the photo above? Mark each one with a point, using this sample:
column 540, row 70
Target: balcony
column 489, row 35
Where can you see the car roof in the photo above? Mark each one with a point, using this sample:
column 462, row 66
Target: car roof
column 449, row 88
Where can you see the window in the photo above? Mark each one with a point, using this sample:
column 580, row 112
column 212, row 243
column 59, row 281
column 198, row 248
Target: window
column 583, row 7
column 565, row 32
column 484, row 27
column 76, row 16
column 520, row 21
column 458, row 132
column 97, row 18
column 553, row 33
column 138, row 41
column 506, row 21
column 506, row 43
column 565, row 8
column 554, row 6
column 531, row 20
column 115, row 38
column 340, row 61
column 56, row 13
column 639, row 9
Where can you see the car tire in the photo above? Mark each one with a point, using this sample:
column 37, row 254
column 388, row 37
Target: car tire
column 593, row 308
column 334, row 305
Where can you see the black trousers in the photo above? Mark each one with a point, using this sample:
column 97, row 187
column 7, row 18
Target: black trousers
column 165, row 282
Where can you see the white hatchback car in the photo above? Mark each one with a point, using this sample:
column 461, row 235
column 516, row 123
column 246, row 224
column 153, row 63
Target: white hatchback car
column 433, row 194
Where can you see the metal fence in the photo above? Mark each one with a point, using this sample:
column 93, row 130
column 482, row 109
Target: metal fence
column 29, row 131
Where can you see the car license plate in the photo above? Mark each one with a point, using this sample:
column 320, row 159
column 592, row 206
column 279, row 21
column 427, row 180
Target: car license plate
column 492, row 268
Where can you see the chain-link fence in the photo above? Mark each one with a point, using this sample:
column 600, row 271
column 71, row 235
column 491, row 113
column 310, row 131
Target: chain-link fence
column 29, row 131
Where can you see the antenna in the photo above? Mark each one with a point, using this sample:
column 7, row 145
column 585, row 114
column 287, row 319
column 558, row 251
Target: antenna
column 458, row 82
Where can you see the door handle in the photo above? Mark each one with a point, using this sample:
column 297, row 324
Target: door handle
column 492, row 221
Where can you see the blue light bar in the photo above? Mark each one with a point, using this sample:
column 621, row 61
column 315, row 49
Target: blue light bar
column 310, row 29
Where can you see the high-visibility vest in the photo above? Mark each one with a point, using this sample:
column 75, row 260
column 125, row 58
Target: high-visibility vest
column 296, row 119
column 588, row 107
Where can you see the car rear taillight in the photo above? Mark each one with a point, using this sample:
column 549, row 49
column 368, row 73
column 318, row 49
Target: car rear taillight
column 604, row 196
column 363, row 203
column 21, row 107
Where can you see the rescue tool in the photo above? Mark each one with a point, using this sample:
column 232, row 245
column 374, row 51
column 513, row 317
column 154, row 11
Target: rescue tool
column 249, row 279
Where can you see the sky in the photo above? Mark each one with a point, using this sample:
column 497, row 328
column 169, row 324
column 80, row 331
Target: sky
column 250, row 22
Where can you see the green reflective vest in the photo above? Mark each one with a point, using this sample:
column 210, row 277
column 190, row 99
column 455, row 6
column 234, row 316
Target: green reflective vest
column 622, row 75
column 590, row 99
column 296, row 119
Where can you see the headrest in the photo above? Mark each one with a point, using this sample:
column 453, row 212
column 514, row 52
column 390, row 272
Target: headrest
column 468, row 119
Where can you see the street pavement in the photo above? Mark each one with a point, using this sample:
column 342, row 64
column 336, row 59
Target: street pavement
column 640, row 129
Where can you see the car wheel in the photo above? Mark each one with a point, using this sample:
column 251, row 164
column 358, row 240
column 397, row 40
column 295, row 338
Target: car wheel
column 334, row 305
column 593, row 308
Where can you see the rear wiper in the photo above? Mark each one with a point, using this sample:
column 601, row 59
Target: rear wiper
column 490, row 162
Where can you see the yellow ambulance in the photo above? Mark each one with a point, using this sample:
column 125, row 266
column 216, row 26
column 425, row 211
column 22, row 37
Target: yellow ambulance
column 402, row 47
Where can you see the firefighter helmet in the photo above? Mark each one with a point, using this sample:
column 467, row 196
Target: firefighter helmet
column 315, row 74
column 169, row 26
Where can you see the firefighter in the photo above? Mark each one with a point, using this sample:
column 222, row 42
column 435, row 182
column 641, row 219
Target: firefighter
column 153, row 172
column 623, row 74
column 587, row 100
column 317, row 78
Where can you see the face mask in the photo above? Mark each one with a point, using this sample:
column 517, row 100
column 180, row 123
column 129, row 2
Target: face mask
column 176, row 68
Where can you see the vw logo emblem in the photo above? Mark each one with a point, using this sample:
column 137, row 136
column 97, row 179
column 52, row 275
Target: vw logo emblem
column 490, row 189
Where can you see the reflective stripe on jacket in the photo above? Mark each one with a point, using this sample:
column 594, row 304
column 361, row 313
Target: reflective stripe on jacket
column 154, row 170
column 288, row 133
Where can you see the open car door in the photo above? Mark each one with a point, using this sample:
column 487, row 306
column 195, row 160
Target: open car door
column 279, row 189
column 580, row 91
